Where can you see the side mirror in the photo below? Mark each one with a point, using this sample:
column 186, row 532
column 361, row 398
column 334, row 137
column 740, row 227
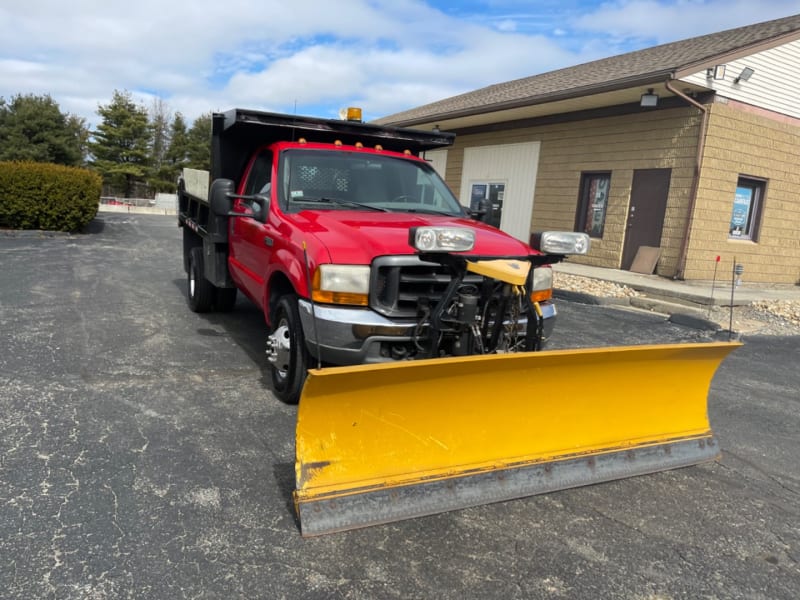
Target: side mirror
column 480, row 212
column 220, row 196
column 259, row 205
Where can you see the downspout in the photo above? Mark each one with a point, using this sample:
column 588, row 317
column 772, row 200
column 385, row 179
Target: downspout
column 701, row 142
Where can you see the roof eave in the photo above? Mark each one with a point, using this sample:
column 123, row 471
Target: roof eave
column 576, row 92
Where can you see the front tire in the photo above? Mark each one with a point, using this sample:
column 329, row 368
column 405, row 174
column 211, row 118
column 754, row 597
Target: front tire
column 200, row 289
column 286, row 351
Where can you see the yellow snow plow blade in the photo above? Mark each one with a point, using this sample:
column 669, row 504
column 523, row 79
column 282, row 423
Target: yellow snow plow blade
column 380, row 443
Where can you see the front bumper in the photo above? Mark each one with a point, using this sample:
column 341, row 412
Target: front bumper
column 354, row 336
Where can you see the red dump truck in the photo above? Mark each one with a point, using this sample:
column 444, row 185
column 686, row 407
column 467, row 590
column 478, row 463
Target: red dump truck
column 311, row 220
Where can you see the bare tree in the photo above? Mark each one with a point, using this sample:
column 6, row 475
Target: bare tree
column 160, row 116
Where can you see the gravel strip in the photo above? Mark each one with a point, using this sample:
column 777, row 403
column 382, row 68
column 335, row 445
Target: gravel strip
column 766, row 317
column 594, row 287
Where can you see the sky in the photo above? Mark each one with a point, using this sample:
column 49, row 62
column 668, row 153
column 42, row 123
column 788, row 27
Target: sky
column 315, row 57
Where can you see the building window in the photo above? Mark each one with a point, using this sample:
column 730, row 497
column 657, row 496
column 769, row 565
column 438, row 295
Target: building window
column 592, row 203
column 747, row 208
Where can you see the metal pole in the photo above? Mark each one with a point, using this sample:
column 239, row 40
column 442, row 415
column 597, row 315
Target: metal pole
column 737, row 271
column 713, row 285
column 733, row 285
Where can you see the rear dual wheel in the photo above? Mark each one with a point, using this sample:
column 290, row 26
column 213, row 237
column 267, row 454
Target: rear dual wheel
column 203, row 295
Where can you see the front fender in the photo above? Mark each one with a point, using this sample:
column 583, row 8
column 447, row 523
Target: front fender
column 289, row 273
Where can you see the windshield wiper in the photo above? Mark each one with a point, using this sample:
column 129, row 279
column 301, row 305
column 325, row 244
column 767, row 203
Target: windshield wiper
column 429, row 211
column 343, row 202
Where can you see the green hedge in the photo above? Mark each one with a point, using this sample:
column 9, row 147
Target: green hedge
column 46, row 196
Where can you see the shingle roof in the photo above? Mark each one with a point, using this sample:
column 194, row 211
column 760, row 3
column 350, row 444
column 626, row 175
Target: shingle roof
column 634, row 68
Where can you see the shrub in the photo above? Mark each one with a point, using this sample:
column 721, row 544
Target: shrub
column 47, row 196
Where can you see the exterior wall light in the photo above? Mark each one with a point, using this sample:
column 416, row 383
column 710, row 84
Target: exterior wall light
column 745, row 75
column 649, row 99
column 716, row 72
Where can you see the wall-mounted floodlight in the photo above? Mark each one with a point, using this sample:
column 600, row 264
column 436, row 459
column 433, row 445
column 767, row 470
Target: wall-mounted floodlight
column 716, row 72
column 745, row 75
column 649, row 99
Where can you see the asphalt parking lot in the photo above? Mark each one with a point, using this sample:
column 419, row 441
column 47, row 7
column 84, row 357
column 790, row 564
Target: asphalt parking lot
column 142, row 455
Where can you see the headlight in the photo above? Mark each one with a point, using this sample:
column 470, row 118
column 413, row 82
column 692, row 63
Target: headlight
column 341, row 284
column 441, row 239
column 542, row 278
column 561, row 242
column 542, row 285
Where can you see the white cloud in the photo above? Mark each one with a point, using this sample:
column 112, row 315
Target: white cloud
column 506, row 25
column 387, row 55
column 662, row 22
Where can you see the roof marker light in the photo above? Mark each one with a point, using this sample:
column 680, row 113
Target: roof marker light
column 353, row 113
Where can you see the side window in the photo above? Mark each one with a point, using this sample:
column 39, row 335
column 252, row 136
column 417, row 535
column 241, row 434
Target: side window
column 260, row 176
column 593, row 203
column 747, row 205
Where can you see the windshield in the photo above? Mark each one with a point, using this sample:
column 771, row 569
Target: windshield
column 356, row 181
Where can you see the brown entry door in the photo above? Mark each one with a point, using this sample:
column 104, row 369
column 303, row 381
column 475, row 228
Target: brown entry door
column 649, row 194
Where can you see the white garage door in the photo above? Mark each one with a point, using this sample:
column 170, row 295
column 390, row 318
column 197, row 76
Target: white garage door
column 438, row 160
column 506, row 175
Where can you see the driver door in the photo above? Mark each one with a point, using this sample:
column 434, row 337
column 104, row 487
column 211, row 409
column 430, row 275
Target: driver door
column 250, row 246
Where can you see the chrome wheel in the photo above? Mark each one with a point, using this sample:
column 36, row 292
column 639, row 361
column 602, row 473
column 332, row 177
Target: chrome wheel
column 279, row 349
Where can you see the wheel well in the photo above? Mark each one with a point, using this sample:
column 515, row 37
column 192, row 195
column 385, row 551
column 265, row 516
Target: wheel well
column 278, row 285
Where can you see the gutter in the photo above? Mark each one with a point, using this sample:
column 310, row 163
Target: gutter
column 701, row 142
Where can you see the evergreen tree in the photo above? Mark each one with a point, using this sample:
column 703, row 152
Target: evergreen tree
column 199, row 143
column 177, row 154
column 34, row 128
column 178, row 149
column 120, row 145
column 80, row 131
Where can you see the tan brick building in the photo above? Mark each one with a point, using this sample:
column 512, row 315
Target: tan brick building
column 691, row 148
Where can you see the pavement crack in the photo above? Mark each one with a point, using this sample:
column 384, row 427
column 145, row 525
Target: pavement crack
column 115, row 516
column 759, row 470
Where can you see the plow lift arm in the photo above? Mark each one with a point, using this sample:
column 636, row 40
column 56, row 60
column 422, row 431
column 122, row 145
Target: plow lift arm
column 384, row 442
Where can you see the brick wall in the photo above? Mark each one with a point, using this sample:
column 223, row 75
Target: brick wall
column 620, row 144
column 756, row 145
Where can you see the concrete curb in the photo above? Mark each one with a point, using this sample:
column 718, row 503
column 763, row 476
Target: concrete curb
column 694, row 322
column 675, row 313
column 583, row 298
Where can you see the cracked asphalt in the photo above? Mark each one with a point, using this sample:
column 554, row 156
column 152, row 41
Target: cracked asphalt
column 142, row 455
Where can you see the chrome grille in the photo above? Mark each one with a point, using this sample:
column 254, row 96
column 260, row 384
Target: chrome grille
column 398, row 282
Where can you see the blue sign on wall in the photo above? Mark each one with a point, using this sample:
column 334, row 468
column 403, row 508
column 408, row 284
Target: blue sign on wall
column 741, row 211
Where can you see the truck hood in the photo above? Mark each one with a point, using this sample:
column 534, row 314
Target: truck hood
column 356, row 237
